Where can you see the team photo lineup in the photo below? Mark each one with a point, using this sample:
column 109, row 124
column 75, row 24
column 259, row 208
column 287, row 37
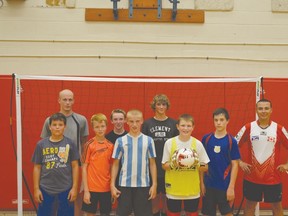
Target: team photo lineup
column 155, row 166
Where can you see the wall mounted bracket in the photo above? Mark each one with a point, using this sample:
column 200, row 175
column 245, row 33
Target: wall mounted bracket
column 145, row 11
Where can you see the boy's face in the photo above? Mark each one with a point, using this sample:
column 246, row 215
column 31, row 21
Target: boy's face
column 220, row 122
column 160, row 107
column 185, row 128
column 99, row 128
column 134, row 122
column 57, row 128
column 264, row 110
column 118, row 120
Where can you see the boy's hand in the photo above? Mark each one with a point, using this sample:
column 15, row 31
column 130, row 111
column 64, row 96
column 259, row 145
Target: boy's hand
column 174, row 164
column 38, row 197
column 245, row 167
column 283, row 168
column 203, row 189
column 230, row 194
column 115, row 193
column 72, row 195
column 86, row 197
column 152, row 192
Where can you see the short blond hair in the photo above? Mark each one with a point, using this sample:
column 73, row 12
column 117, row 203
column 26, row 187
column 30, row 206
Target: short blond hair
column 186, row 117
column 99, row 117
column 134, row 112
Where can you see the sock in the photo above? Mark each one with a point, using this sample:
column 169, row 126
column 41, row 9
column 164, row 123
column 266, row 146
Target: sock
column 173, row 213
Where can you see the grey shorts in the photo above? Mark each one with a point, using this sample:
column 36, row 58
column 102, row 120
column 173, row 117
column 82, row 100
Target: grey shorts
column 134, row 199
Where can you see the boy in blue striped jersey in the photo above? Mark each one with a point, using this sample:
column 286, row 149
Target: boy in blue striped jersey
column 136, row 152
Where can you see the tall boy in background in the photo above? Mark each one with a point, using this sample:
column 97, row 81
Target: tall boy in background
column 160, row 128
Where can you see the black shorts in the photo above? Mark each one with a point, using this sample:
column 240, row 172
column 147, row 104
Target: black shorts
column 103, row 198
column 256, row 192
column 134, row 199
column 215, row 198
column 190, row 205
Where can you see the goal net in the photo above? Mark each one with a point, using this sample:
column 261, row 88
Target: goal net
column 36, row 99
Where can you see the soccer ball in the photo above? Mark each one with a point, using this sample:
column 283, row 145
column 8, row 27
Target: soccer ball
column 187, row 158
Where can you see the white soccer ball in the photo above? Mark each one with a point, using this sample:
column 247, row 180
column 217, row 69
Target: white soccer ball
column 187, row 158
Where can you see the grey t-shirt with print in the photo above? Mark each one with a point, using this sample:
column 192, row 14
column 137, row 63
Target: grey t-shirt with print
column 55, row 159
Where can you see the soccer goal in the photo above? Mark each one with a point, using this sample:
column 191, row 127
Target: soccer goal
column 36, row 99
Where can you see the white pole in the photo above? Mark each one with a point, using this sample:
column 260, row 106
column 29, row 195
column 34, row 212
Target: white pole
column 258, row 97
column 257, row 210
column 19, row 145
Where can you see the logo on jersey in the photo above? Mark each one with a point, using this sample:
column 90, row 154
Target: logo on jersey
column 264, row 133
column 271, row 139
column 217, row 149
column 253, row 138
column 160, row 134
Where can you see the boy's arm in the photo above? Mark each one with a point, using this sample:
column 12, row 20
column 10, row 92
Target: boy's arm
column 45, row 130
column 83, row 141
column 153, row 172
column 166, row 166
column 75, row 178
column 38, row 197
column 234, row 172
column 202, row 185
column 241, row 138
column 115, row 193
column 86, row 197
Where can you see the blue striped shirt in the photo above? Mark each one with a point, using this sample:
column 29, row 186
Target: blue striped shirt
column 134, row 154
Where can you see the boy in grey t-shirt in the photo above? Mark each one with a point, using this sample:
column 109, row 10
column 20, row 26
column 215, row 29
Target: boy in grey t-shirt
column 56, row 170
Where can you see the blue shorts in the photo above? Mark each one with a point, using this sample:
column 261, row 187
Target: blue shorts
column 64, row 206
column 215, row 198
column 256, row 192
column 103, row 198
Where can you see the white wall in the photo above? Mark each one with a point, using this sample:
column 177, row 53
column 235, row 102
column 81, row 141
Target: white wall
column 249, row 40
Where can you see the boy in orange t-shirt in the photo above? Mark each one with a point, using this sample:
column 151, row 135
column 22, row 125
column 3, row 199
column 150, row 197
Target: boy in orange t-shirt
column 97, row 160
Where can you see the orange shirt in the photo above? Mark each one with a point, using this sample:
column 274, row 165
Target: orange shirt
column 98, row 158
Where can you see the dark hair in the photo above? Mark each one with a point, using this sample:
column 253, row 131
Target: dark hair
column 264, row 100
column 223, row 111
column 117, row 111
column 57, row 117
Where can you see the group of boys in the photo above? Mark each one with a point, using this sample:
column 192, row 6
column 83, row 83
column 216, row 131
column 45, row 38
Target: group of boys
column 139, row 169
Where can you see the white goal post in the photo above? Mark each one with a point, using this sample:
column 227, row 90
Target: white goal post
column 18, row 89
